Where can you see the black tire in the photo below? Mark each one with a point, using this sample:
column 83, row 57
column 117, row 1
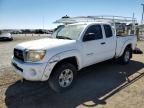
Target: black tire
column 127, row 55
column 54, row 81
column 11, row 39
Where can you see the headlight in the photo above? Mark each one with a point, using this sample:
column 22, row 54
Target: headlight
column 34, row 55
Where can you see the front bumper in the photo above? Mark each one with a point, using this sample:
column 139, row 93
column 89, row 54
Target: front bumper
column 6, row 38
column 29, row 71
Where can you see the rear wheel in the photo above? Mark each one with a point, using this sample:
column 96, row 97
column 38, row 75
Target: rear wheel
column 125, row 58
column 62, row 77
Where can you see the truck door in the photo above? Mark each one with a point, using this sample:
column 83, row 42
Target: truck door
column 110, row 42
column 93, row 45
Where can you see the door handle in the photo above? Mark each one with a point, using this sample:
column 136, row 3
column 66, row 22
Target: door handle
column 103, row 43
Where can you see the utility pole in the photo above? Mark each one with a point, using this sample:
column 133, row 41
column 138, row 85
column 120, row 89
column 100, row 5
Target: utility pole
column 43, row 22
column 133, row 22
column 142, row 20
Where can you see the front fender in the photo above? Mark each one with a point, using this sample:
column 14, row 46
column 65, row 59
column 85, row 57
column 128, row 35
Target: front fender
column 67, row 54
column 60, row 56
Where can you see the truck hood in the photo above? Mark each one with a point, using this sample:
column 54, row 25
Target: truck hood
column 47, row 43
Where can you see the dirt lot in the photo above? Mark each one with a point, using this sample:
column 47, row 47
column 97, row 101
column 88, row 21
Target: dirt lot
column 104, row 85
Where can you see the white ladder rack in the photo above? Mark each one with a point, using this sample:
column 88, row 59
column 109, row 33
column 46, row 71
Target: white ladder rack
column 109, row 19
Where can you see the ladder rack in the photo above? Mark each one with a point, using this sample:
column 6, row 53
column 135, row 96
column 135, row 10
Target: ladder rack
column 109, row 19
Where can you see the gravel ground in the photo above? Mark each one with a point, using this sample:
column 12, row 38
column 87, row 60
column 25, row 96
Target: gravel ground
column 104, row 85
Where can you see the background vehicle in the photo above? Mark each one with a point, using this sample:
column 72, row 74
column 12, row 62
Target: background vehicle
column 6, row 36
column 73, row 47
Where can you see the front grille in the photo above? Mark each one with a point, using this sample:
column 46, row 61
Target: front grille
column 18, row 54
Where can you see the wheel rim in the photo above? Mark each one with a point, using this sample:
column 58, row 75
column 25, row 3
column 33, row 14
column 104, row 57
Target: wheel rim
column 127, row 56
column 66, row 78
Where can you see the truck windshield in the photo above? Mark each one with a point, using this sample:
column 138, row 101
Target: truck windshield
column 71, row 32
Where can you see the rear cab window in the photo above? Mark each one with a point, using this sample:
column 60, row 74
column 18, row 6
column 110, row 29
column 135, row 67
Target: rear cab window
column 108, row 31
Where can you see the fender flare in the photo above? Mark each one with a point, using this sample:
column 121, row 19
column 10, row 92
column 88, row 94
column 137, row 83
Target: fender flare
column 124, row 47
column 63, row 55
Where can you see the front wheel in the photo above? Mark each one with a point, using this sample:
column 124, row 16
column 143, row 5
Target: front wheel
column 125, row 58
column 62, row 77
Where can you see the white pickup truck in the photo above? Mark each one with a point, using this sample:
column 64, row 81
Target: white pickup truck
column 71, row 48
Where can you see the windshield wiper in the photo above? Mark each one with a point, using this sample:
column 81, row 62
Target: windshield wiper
column 63, row 37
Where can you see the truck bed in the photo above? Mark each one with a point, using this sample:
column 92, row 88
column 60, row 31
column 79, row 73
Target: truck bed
column 124, row 40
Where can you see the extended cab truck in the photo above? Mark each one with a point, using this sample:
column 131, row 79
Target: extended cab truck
column 72, row 48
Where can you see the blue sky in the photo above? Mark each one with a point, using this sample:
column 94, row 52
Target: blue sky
column 30, row 14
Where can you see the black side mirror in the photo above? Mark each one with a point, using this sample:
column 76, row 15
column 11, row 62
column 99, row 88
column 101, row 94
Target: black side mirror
column 89, row 37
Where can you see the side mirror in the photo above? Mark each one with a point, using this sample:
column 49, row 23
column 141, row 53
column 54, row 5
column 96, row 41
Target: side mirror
column 89, row 37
